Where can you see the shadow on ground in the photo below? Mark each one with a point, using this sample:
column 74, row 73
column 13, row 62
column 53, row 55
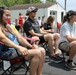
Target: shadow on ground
column 59, row 65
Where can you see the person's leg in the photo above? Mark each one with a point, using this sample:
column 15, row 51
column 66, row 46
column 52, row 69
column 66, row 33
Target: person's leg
column 70, row 64
column 56, row 42
column 36, row 58
column 49, row 38
column 53, row 57
column 72, row 50
column 42, row 59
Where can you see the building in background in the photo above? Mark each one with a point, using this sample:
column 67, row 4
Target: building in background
column 44, row 9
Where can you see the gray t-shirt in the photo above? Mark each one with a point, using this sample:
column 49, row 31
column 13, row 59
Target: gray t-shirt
column 67, row 29
column 31, row 25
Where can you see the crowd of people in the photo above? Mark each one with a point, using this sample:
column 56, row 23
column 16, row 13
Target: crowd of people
column 64, row 40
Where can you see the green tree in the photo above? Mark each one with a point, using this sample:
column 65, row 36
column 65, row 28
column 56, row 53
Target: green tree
column 50, row 0
column 36, row 1
column 13, row 2
column 1, row 2
column 26, row 1
column 31, row 1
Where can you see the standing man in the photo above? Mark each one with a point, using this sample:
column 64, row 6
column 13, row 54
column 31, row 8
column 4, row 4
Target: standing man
column 32, row 28
column 39, row 21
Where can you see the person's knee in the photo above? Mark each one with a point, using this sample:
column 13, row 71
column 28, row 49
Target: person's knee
column 73, row 46
column 42, row 50
column 38, row 53
column 56, row 36
column 49, row 37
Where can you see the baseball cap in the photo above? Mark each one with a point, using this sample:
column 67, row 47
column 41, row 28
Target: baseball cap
column 70, row 13
column 31, row 9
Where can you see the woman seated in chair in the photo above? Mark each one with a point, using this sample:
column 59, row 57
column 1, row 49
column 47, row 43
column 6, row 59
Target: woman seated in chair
column 15, row 41
column 48, row 28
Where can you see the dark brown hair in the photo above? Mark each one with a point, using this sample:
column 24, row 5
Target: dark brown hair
column 64, row 19
column 2, row 8
column 70, row 14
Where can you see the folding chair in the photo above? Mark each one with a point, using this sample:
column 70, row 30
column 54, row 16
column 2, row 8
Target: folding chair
column 17, row 63
column 64, row 54
column 46, row 47
column 14, row 65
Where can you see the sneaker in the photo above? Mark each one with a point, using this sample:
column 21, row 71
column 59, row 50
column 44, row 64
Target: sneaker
column 71, row 65
column 58, row 56
column 55, row 59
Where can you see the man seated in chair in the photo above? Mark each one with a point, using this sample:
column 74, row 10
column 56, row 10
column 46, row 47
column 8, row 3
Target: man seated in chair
column 14, row 41
column 67, row 41
column 31, row 28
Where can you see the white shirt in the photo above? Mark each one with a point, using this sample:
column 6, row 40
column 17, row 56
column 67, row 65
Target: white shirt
column 39, row 21
column 67, row 29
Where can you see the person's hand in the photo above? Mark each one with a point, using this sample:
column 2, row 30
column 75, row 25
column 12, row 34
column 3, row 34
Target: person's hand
column 52, row 30
column 24, row 51
column 34, row 46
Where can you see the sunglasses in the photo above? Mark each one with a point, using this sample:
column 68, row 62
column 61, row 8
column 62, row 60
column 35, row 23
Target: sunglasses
column 34, row 11
column 3, row 7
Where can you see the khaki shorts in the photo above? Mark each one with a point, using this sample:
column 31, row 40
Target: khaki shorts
column 64, row 46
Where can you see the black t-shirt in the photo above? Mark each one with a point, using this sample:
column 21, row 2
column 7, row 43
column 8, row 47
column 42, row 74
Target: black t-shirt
column 47, row 26
column 31, row 25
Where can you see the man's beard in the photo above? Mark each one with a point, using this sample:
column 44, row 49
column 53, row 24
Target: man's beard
column 33, row 17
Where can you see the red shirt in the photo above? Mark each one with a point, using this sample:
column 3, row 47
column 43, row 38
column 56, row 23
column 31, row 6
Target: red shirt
column 9, row 22
column 21, row 21
column 58, row 25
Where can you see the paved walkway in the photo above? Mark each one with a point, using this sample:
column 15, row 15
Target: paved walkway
column 52, row 69
column 57, row 69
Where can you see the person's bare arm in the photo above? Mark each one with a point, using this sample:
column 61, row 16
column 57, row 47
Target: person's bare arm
column 70, row 39
column 23, row 41
column 47, row 31
column 43, row 31
column 6, row 41
column 34, row 34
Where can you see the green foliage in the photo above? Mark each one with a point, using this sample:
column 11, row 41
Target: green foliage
column 31, row 1
column 36, row 1
column 26, row 1
column 50, row 0
column 13, row 2
column 10, row 2
column 1, row 2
